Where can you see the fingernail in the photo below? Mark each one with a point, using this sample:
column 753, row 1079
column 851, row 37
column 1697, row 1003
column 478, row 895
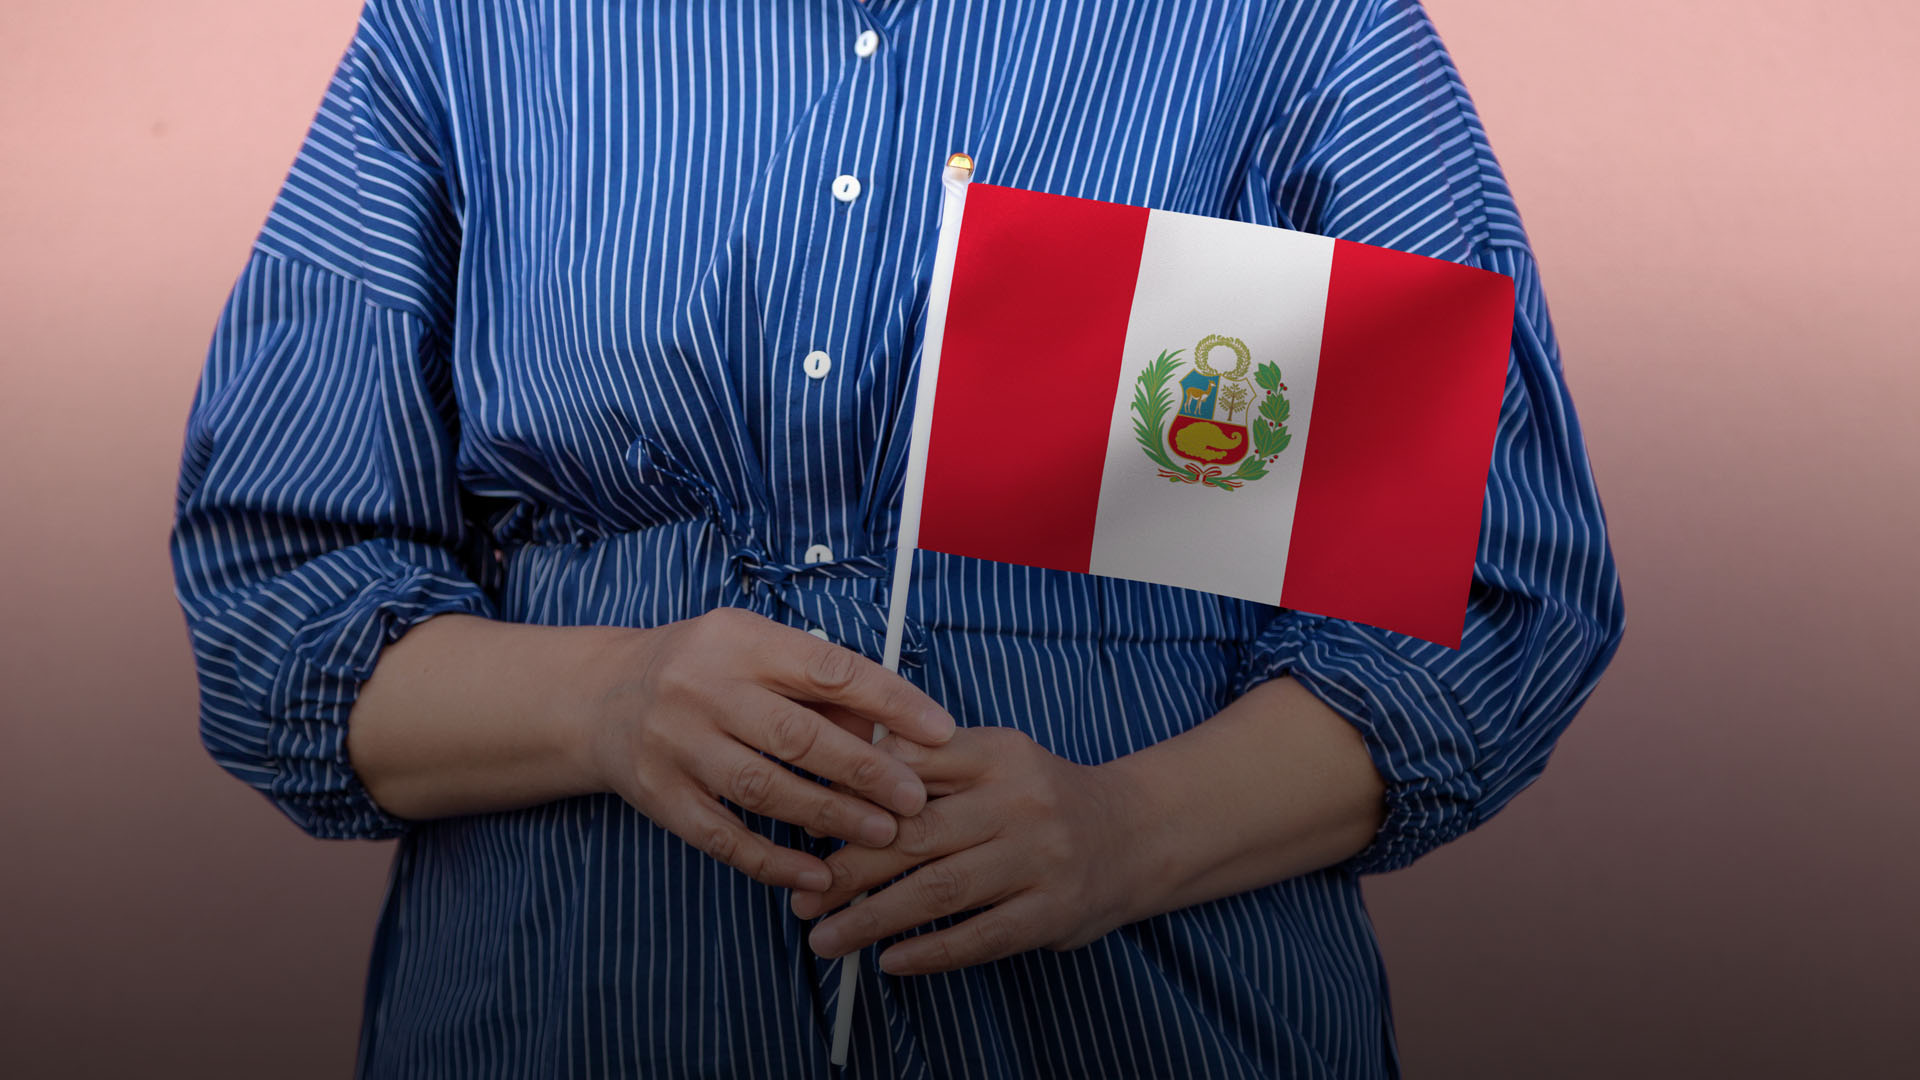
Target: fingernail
column 942, row 721
column 803, row 905
column 816, row 881
column 825, row 941
column 907, row 796
column 877, row 831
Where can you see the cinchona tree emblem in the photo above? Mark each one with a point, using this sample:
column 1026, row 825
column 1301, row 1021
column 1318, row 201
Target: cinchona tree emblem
column 1202, row 429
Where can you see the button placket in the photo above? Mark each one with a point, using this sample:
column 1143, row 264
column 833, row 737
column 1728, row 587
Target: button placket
column 830, row 330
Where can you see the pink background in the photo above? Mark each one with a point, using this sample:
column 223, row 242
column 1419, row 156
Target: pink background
column 1718, row 874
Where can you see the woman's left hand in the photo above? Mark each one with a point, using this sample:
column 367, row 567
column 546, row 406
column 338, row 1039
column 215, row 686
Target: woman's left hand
column 1046, row 846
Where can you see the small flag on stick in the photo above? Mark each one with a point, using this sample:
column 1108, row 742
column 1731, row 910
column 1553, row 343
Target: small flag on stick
column 1211, row 404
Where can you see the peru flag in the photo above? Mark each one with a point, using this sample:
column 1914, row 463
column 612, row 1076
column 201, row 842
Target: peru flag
column 1205, row 403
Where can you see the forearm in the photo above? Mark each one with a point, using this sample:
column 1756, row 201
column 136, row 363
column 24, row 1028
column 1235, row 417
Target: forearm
column 1275, row 785
column 466, row 715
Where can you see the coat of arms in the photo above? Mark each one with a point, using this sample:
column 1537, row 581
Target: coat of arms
column 1224, row 419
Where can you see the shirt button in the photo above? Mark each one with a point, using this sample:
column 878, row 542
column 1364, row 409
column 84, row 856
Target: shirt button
column 818, row 553
column 866, row 44
column 819, row 633
column 817, row 364
column 846, row 188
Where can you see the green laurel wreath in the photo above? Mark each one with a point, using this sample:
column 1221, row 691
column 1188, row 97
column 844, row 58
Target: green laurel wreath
column 1152, row 401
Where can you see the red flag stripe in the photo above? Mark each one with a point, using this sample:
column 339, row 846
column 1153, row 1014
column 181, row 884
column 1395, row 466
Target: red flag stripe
column 1041, row 291
column 1412, row 362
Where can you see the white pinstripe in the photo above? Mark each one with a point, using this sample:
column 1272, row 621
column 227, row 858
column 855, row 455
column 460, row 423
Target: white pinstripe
column 540, row 282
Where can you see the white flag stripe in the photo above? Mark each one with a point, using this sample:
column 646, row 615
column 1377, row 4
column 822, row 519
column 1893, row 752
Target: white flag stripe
column 1201, row 276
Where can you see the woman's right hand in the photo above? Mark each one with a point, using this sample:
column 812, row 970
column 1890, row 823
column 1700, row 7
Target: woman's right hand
column 676, row 718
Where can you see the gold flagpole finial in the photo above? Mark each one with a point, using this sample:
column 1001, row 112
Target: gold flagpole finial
column 961, row 161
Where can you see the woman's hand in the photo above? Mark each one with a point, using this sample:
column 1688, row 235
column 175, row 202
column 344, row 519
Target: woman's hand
column 1042, row 843
column 1275, row 784
column 675, row 719
column 466, row 715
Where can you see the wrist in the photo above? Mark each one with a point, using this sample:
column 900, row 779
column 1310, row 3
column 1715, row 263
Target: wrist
column 597, row 682
column 1147, row 854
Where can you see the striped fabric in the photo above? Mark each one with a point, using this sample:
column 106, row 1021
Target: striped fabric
column 531, row 333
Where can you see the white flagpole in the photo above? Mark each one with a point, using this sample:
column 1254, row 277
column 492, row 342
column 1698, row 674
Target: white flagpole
column 954, row 180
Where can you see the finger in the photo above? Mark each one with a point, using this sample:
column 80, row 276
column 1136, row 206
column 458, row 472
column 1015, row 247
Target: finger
column 816, row 833
column 964, row 758
column 835, row 786
column 807, row 669
column 753, row 782
column 798, row 735
column 846, row 720
column 970, row 879
column 994, row 934
column 946, row 827
column 708, row 826
column 854, row 870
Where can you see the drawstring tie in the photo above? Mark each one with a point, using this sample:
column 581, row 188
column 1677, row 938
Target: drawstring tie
column 855, row 619
column 854, row 616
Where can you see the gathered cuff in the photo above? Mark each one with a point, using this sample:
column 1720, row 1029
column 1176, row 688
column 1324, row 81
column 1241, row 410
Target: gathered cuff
column 291, row 741
column 1413, row 727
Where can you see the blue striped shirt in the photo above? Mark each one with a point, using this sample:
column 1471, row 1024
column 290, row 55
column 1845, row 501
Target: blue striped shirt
column 530, row 334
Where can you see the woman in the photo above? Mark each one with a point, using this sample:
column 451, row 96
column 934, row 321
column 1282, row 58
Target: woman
column 559, row 414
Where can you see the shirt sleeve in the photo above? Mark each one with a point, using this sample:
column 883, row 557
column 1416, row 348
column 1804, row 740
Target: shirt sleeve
column 1387, row 150
column 318, row 513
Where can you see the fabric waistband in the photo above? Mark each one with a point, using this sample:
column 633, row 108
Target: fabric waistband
column 560, row 568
